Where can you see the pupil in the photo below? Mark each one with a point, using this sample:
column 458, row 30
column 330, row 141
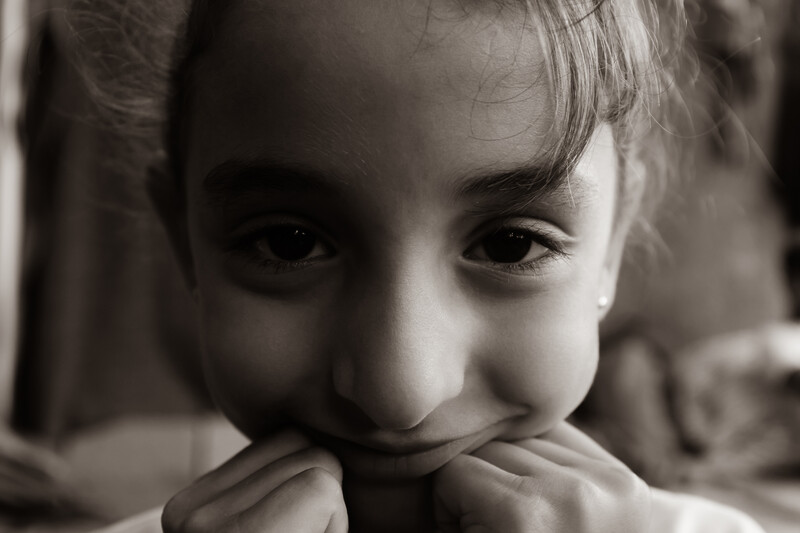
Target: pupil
column 290, row 243
column 507, row 246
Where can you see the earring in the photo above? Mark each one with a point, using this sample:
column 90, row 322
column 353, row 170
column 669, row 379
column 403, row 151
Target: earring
column 602, row 302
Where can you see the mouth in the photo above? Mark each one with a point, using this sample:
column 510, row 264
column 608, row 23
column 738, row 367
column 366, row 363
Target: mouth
column 381, row 459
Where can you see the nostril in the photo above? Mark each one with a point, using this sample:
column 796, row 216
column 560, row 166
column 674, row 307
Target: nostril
column 381, row 400
column 396, row 401
column 394, row 412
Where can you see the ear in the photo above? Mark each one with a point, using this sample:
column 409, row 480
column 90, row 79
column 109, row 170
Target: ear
column 629, row 201
column 168, row 199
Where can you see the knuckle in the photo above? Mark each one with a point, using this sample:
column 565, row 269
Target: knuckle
column 175, row 511
column 618, row 496
column 577, row 491
column 321, row 488
column 519, row 504
column 183, row 515
column 628, row 502
column 527, row 488
column 320, row 457
column 319, row 481
column 194, row 521
column 587, row 493
column 636, row 486
column 198, row 520
column 625, row 483
column 637, row 492
column 599, row 500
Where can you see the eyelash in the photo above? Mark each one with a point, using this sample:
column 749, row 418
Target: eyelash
column 279, row 267
column 245, row 246
column 548, row 239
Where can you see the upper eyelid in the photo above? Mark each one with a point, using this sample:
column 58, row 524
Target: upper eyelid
column 244, row 246
column 551, row 233
column 512, row 221
column 262, row 222
column 244, row 240
column 532, row 225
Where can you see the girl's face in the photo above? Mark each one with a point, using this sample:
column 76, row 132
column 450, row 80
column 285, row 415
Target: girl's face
column 377, row 257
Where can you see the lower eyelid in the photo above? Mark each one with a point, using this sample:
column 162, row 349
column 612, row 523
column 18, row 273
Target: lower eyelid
column 533, row 268
column 532, row 265
column 244, row 251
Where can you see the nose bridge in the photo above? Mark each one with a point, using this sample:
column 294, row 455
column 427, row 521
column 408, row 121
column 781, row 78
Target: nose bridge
column 404, row 358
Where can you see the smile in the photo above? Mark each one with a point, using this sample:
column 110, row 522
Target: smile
column 384, row 460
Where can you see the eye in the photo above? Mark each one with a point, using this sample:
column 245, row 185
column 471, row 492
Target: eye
column 279, row 247
column 290, row 243
column 513, row 248
column 509, row 245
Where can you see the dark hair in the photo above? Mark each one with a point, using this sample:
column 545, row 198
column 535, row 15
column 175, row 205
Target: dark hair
column 613, row 61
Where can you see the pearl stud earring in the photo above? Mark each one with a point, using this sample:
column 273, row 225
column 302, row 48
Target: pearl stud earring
column 602, row 302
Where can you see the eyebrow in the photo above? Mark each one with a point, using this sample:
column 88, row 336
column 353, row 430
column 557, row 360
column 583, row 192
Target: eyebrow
column 237, row 180
column 515, row 190
column 504, row 192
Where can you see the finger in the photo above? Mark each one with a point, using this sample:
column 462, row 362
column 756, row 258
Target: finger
column 261, row 483
column 472, row 493
column 531, row 457
column 570, row 437
column 488, row 497
column 239, row 467
column 260, row 453
column 570, row 478
column 310, row 502
column 522, row 458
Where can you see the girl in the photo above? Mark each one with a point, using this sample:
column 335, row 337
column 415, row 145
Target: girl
column 402, row 221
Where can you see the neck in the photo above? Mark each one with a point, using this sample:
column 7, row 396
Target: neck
column 401, row 506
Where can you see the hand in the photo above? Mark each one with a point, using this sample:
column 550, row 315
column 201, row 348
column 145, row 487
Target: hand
column 560, row 482
column 282, row 483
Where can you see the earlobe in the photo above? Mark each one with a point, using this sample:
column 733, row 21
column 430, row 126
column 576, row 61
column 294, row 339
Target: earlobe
column 169, row 203
column 608, row 282
column 605, row 299
column 629, row 202
column 613, row 263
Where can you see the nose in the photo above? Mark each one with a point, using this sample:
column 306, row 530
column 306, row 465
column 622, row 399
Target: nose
column 404, row 355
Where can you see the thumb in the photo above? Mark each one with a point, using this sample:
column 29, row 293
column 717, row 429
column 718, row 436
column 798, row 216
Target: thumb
column 472, row 495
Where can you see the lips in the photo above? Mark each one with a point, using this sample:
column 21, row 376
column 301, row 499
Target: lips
column 382, row 459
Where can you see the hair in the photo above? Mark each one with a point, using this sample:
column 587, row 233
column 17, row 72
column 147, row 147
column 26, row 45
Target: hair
column 612, row 61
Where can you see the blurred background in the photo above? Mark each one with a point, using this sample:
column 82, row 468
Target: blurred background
column 104, row 411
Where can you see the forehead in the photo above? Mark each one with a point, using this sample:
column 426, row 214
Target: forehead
column 362, row 82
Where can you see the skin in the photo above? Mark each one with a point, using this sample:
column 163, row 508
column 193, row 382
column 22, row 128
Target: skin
column 398, row 356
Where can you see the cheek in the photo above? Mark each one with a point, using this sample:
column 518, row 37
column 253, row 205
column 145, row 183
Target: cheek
column 257, row 354
column 543, row 354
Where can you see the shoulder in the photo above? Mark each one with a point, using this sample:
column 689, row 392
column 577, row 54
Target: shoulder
column 683, row 513
column 147, row 522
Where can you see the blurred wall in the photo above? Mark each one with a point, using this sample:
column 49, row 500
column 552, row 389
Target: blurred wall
column 108, row 327
column 13, row 28
column 717, row 258
column 109, row 330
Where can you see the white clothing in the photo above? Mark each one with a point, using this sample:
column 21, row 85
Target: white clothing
column 671, row 513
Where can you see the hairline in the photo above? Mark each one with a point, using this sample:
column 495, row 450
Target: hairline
column 562, row 158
